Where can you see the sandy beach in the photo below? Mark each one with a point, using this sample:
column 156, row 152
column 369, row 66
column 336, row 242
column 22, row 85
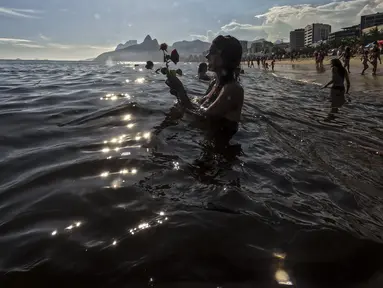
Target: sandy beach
column 355, row 62
column 304, row 70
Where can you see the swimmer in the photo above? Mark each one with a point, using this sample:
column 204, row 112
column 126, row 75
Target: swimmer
column 339, row 75
column 223, row 105
column 202, row 69
column 149, row 65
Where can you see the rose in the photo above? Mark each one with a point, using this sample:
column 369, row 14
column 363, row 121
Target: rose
column 164, row 47
column 174, row 57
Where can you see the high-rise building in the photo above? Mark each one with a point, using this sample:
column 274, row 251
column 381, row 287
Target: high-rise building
column 316, row 32
column 371, row 20
column 244, row 46
column 348, row 32
column 297, row 39
column 261, row 46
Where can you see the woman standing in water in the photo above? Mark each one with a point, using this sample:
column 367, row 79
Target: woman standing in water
column 223, row 105
column 346, row 58
column 365, row 61
column 375, row 56
column 339, row 75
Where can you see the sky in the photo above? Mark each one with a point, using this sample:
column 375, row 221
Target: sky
column 81, row 29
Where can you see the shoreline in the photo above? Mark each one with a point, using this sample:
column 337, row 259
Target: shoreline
column 305, row 71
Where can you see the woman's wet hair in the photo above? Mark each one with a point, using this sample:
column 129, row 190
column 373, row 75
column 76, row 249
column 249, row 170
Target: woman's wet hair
column 338, row 64
column 231, row 53
column 202, row 67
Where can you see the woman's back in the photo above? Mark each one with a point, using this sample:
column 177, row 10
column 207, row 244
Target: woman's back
column 337, row 77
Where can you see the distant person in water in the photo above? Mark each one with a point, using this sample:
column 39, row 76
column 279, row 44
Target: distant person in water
column 346, row 58
column 202, row 69
column 339, row 75
column 365, row 61
column 375, row 56
column 223, row 105
column 272, row 64
column 149, row 65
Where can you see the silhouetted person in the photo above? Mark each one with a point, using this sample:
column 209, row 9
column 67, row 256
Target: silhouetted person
column 149, row 65
column 222, row 107
column 339, row 75
column 365, row 61
column 375, row 56
column 346, row 58
column 202, row 69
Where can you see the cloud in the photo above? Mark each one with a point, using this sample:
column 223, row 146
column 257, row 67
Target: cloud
column 96, row 16
column 245, row 31
column 210, row 35
column 28, row 45
column 24, row 13
column 60, row 46
column 13, row 40
column 338, row 14
column 236, row 29
column 277, row 22
column 45, row 38
column 78, row 47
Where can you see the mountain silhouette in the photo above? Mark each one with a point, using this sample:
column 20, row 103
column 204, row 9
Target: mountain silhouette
column 126, row 45
column 149, row 50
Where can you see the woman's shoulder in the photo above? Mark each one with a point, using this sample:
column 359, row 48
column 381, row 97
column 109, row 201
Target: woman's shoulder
column 234, row 88
column 235, row 85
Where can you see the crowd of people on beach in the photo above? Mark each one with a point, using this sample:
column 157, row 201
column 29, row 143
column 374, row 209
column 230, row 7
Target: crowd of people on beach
column 262, row 60
column 367, row 55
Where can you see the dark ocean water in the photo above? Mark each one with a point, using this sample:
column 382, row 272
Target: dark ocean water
column 130, row 190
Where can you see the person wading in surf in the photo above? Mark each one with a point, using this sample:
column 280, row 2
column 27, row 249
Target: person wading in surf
column 347, row 58
column 202, row 69
column 375, row 56
column 222, row 106
column 339, row 75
